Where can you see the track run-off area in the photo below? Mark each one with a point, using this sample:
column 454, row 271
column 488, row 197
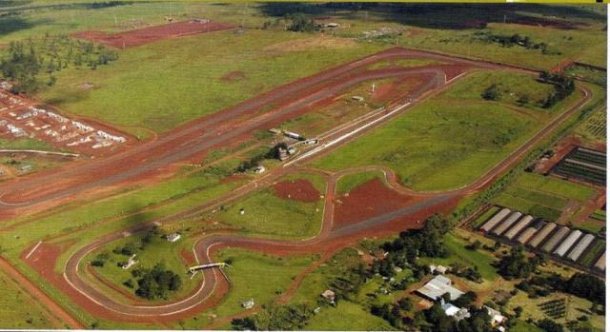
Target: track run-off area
column 195, row 139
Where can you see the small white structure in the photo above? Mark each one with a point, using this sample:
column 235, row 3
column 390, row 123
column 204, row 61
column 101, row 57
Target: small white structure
column 455, row 312
column 332, row 25
column 130, row 262
column 259, row 169
column 249, row 304
column 173, row 237
column 329, row 296
column 438, row 269
column 358, row 98
column 496, row 317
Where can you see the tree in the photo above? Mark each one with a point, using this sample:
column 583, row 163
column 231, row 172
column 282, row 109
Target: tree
column 516, row 265
column 587, row 286
column 157, row 282
column 491, row 93
column 518, row 311
column 466, row 300
column 244, row 324
column 405, row 304
column 300, row 23
column 549, row 325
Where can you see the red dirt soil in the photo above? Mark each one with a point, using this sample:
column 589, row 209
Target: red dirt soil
column 367, row 200
column 187, row 257
column 151, row 34
column 397, row 88
column 297, row 190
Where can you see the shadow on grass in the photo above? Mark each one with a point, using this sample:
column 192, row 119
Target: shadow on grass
column 445, row 16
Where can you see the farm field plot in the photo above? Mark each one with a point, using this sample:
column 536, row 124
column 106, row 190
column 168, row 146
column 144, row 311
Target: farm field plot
column 583, row 164
column 594, row 128
column 593, row 252
column 441, row 144
column 531, row 308
column 544, row 197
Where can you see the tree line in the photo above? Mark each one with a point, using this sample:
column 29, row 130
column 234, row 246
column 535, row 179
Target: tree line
column 31, row 64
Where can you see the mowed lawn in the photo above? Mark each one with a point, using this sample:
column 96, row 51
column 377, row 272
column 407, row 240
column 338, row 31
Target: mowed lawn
column 445, row 142
column 163, row 84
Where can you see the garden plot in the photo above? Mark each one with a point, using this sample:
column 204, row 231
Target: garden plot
column 19, row 118
column 583, row 164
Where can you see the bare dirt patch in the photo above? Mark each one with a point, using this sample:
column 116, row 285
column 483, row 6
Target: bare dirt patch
column 151, row 34
column 298, row 190
column 187, row 257
column 367, row 200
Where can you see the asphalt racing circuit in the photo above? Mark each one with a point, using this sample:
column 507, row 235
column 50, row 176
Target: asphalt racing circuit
column 193, row 140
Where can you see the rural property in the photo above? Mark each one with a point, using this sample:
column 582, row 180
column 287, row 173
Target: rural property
column 302, row 166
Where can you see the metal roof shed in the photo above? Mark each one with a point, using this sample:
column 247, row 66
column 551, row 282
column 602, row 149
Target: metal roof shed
column 518, row 227
column 507, row 223
column 567, row 243
column 556, row 238
column 580, row 247
column 540, row 236
column 527, row 234
column 493, row 221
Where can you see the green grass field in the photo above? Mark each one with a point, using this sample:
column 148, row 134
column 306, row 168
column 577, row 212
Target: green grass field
column 25, row 144
column 347, row 316
column 267, row 214
column 271, row 274
column 167, row 94
column 442, row 143
column 512, row 87
column 465, row 257
column 585, row 45
column 20, row 310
